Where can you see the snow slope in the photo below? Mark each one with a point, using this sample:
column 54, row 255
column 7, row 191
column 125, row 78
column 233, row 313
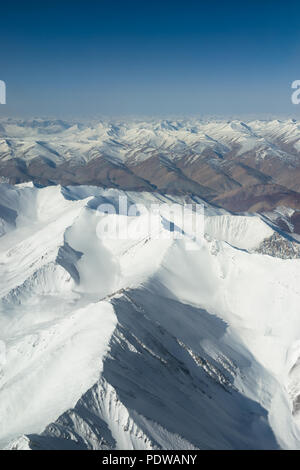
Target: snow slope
column 142, row 343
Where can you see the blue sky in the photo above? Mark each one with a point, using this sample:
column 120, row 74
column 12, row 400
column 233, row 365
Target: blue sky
column 93, row 58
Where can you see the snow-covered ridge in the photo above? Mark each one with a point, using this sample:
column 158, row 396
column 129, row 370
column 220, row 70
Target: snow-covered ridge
column 145, row 343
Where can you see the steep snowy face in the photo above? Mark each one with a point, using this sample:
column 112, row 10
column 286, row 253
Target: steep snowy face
column 149, row 339
column 240, row 231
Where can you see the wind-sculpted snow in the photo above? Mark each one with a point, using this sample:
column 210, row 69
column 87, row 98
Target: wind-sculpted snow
column 165, row 342
column 240, row 231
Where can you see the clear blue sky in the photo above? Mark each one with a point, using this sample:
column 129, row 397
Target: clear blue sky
column 87, row 58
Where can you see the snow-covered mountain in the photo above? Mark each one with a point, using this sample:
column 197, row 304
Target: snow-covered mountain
column 240, row 166
column 145, row 342
column 135, row 139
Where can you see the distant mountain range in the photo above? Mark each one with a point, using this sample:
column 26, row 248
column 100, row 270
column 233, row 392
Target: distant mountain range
column 240, row 166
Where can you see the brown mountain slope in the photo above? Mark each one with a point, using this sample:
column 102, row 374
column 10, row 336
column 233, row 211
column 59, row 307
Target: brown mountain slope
column 259, row 197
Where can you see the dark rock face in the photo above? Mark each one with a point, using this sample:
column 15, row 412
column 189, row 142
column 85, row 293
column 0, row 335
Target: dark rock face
column 295, row 220
column 279, row 247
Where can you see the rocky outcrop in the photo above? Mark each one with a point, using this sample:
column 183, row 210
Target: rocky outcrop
column 279, row 247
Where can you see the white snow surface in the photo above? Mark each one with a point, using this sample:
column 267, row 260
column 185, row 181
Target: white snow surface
column 142, row 343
